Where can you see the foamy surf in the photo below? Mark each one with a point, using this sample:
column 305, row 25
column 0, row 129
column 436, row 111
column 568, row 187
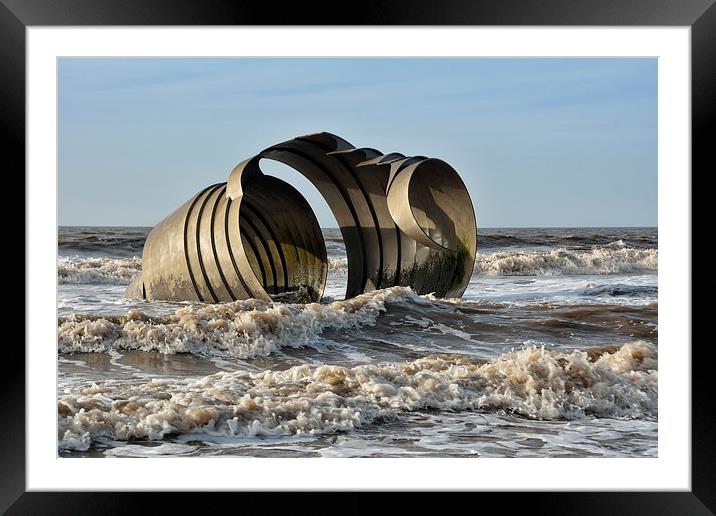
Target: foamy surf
column 610, row 259
column 614, row 258
column 241, row 329
column 567, row 290
column 532, row 382
column 97, row 270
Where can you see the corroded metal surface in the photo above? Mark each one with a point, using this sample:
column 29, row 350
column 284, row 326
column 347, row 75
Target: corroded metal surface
column 404, row 220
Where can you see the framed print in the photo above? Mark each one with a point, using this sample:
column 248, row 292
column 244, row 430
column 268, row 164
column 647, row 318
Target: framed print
column 445, row 248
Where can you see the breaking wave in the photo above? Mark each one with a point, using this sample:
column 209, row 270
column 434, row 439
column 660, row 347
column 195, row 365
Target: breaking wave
column 614, row 258
column 121, row 271
column 532, row 382
column 338, row 266
column 118, row 271
column 611, row 259
column 241, row 329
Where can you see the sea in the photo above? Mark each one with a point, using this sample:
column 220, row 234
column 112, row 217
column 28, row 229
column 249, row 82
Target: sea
column 551, row 352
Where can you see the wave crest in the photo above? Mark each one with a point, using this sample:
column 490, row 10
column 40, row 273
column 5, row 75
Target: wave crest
column 613, row 258
column 532, row 382
column 241, row 329
column 609, row 259
column 98, row 270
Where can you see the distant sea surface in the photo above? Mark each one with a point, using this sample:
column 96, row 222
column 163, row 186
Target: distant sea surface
column 551, row 352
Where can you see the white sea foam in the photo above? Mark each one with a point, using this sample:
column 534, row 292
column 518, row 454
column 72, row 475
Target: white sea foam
column 240, row 329
column 610, row 259
column 337, row 265
column 118, row 271
column 614, row 258
column 121, row 271
column 532, row 382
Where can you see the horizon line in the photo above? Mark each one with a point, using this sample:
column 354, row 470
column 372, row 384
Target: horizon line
column 336, row 227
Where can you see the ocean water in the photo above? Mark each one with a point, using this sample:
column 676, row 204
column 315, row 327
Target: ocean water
column 551, row 352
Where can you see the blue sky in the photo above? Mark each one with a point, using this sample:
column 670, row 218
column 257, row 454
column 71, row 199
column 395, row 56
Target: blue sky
column 539, row 142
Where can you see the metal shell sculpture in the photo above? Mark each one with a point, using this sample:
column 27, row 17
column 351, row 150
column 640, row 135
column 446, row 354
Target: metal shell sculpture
column 405, row 220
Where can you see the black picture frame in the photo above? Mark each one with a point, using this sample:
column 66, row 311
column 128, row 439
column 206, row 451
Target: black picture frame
column 700, row 15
